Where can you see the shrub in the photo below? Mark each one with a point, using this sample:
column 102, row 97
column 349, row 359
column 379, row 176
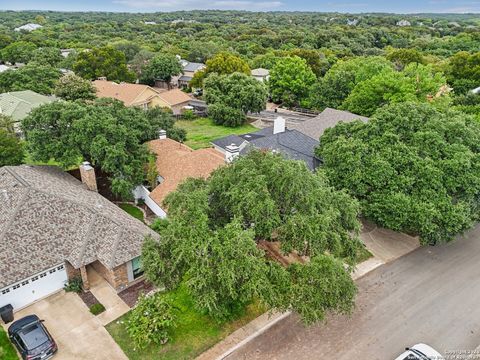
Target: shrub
column 151, row 320
column 74, row 285
column 188, row 115
column 97, row 308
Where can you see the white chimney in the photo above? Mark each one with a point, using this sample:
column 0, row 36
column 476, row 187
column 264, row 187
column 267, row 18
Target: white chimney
column 162, row 134
column 231, row 153
column 279, row 125
column 87, row 173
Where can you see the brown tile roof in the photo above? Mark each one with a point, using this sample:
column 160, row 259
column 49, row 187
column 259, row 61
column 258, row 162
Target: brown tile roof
column 47, row 216
column 125, row 92
column 174, row 97
column 177, row 162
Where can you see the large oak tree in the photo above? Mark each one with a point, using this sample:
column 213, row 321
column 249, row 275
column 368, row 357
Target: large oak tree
column 209, row 241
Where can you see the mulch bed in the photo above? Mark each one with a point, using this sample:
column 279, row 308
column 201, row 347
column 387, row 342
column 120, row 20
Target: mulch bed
column 132, row 293
column 88, row 298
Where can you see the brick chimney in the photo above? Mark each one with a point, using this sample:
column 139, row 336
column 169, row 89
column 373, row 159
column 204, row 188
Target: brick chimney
column 231, row 153
column 87, row 173
column 162, row 134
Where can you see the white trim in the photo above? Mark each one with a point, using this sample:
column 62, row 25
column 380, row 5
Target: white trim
column 141, row 192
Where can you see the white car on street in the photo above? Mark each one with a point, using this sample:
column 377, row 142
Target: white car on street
column 420, row 352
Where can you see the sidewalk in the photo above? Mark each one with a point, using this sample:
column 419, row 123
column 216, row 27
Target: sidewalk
column 108, row 297
column 385, row 246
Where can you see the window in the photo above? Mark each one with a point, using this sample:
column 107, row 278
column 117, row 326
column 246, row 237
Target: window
column 15, row 287
column 52, row 271
column 26, row 282
column 43, row 274
column 5, row 291
column 35, row 278
column 60, row 267
column 137, row 267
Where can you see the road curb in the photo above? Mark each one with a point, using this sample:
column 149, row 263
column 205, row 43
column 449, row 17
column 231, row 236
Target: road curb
column 254, row 335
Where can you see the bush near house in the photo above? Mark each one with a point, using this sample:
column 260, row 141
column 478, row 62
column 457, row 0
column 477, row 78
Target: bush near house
column 97, row 308
column 74, row 285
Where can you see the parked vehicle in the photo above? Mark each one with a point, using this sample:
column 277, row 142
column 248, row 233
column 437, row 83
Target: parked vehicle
column 32, row 338
column 420, row 352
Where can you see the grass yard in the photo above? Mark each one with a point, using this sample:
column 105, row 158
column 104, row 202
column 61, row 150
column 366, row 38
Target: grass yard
column 202, row 131
column 132, row 210
column 363, row 254
column 7, row 352
column 194, row 334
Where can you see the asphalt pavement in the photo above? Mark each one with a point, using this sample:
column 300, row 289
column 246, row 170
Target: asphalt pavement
column 431, row 295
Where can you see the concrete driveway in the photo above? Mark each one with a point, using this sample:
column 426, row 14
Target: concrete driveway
column 78, row 334
column 430, row 295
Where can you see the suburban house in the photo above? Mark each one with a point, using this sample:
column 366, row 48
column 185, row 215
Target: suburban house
column 261, row 74
column 174, row 99
column 4, row 68
column 28, row 27
column 182, row 81
column 142, row 96
column 292, row 143
column 189, row 69
column 53, row 227
column 175, row 163
column 18, row 104
column 328, row 118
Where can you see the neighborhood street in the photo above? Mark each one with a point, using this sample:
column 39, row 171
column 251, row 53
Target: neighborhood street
column 431, row 295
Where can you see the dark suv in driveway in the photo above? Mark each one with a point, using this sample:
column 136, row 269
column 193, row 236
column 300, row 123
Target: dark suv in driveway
column 32, row 338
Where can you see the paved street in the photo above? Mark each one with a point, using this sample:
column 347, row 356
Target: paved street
column 431, row 295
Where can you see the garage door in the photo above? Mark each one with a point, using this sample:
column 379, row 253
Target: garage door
column 36, row 287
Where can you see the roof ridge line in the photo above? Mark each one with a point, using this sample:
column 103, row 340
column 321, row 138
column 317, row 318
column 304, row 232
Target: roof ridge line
column 115, row 247
column 87, row 236
column 16, row 176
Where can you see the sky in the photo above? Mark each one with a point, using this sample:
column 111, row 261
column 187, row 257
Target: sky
column 351, row 6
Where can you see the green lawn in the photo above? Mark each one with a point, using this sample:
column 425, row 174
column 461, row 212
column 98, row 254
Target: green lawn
column 7, row 352
column 194, row 334
column 202, row 131
column 132, row 210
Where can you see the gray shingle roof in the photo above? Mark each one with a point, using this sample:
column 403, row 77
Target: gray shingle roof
column 185, row 78
column 291, row 143
column 328, row 118
column 47, row 217
column 192, row 66
column 228, row 140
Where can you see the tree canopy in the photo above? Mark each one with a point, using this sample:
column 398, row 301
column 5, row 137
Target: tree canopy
column 12, row 151
column 414, row 168
column 235, row 94
column 223, row 63
column 103, row 62
column 73, row 87
column 290, row 80
column 18, row 52
column 105, row 133
column 415, row 83
column 160, row 67
column 340, row 80
column 209, row 240
column 35, row 77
